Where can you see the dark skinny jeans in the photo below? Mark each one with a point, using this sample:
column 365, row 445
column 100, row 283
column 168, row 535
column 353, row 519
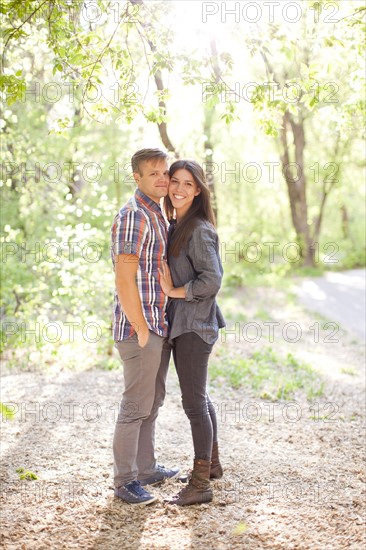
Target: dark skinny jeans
column 191, row 355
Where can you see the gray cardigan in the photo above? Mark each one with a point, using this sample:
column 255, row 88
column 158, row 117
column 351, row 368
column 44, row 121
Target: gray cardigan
column 198, row 268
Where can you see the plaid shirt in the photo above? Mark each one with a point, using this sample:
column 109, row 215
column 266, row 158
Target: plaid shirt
column 140, row 228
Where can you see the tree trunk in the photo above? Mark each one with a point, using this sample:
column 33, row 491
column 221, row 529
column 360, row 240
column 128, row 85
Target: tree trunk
column 158, row 78
column 345, row 221
column 163, row 130
column 207, row 130
column 294, row 175
column 76, row 178
column 209, row 159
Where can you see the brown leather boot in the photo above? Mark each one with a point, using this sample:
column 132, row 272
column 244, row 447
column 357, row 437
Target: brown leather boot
column 198, row 490
column 216, row 468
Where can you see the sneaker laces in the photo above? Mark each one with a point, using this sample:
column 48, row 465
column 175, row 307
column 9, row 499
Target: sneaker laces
column 137, row 488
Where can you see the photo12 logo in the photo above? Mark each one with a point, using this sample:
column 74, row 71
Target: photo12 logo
column 51, row 332
column 91, row 92
column 56, row 172
column 51, row 252
column 253, row 92
column 271, row 12
column 88, row 12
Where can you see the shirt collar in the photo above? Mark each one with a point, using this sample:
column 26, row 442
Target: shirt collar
column 147, row 202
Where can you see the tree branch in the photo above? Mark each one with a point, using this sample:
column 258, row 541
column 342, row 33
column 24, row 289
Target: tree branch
column 99, row 59
column 18, row 29
column 158, row 77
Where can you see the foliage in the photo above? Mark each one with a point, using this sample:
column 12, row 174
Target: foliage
column 306, row 69
column 73, row 81
column 106, row 55
column 6, row 412
column 26, row 474
column 269, row 375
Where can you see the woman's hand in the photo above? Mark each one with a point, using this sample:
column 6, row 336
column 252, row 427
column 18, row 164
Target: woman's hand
column 166, row 281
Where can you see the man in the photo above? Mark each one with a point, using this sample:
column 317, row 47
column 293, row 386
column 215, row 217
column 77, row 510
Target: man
column 139, row 234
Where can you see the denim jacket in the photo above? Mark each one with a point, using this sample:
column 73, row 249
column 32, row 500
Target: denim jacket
column 198, row 268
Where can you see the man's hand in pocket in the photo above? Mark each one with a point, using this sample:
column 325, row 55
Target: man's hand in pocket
column 143, row 336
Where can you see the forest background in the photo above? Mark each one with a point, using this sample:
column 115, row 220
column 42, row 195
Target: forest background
column 268, row 96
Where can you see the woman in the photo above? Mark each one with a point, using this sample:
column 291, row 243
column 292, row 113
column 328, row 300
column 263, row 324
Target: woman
column 194, row 318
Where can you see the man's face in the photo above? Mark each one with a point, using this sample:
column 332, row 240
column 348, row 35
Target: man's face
column 154, row 178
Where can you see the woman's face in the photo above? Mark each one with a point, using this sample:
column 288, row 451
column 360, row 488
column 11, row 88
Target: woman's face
column 182, row 190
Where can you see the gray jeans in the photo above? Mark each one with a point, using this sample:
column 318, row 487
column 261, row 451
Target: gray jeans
column 191, row 355
column 144, row 370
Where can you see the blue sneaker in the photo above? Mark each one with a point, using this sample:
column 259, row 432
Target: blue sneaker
column 133, row 493
column 161, row 473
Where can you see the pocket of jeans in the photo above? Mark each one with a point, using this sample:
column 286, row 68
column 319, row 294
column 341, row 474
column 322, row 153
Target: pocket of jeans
column 148, row 340
column 127, row 348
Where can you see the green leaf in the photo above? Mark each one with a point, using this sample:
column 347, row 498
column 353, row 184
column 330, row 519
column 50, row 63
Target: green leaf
column 27, row 475
column 240, row 528
column 6, row 412
column 314, row 101
column 77, row 59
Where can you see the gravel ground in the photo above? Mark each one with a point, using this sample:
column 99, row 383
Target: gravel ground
column 294, row 472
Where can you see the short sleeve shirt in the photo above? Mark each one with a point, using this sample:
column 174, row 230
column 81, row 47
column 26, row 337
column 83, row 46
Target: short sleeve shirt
column 140, row 228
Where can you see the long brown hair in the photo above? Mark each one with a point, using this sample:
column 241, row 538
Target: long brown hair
column 200, row 209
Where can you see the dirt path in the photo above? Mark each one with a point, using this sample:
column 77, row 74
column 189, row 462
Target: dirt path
column 294, row 475
column 340, row 296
